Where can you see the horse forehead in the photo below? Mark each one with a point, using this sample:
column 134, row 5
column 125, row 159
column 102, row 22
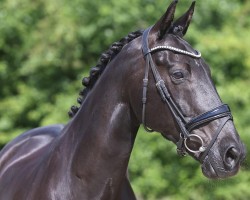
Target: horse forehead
column 172, row 59
column 172, row 40
column 178, row 42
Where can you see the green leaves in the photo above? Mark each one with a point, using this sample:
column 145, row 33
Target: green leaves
column 47, row 46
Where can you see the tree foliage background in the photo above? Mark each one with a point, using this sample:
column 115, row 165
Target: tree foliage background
column 47, row 46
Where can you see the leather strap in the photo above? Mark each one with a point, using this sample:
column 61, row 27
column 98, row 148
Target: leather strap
column 204, row 154
column 145, row 46
column 216, row 113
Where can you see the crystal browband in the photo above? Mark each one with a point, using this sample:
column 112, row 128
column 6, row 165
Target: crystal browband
column 198, row 55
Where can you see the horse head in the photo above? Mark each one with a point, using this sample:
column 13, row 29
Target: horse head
column 180, row 100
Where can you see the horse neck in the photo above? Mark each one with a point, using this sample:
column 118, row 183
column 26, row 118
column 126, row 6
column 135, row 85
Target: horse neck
column 102, row 134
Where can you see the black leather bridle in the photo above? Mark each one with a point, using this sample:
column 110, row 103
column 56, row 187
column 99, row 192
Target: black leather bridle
column 223, row 111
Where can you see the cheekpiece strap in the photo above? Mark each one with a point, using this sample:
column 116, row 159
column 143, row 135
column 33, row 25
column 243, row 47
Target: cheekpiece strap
column 145, row 46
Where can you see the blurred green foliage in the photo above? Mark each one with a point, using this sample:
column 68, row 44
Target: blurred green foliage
column 47, row 46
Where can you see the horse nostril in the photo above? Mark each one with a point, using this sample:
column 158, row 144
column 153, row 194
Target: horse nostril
column 232, row 157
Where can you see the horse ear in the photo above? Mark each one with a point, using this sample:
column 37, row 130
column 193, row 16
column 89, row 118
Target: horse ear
column 163, row 25
column 181, row 25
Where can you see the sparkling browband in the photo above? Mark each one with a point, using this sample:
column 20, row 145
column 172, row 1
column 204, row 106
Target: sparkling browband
column 198, row 55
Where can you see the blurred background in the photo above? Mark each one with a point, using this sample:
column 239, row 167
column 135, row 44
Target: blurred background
column 47, row 46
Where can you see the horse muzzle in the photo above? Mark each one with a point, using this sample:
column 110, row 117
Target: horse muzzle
column 223, row 165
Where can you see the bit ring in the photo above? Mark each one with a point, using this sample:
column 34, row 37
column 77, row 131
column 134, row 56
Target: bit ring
column 202, row 147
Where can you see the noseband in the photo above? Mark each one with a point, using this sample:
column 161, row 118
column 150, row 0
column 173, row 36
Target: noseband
column 185, row 126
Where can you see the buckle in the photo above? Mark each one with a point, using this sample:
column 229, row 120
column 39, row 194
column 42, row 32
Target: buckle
column 180, row 146
column 181, row 152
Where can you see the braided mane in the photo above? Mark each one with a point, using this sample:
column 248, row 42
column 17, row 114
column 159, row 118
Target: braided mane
column 95, row 72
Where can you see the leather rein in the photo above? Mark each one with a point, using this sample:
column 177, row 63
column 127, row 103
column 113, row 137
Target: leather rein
column 185, row 127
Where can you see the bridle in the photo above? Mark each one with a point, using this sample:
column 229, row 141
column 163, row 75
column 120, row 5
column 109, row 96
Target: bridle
column 222, row 111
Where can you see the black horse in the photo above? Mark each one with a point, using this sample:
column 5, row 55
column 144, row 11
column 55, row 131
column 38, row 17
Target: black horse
column 152, row 77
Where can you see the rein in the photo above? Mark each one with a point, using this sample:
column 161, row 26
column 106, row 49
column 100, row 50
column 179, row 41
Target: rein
column 223, row 111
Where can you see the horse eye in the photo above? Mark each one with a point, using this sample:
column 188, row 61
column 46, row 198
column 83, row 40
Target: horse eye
column 178, row 75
